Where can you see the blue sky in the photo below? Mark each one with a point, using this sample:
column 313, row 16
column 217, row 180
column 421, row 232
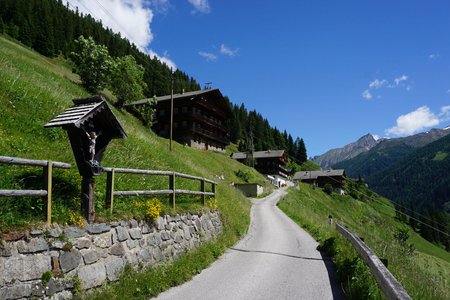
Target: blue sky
column 326, row 71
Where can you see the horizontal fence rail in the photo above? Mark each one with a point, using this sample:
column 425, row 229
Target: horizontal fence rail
column 45, row 193
column 172, row 191
column 391, row 288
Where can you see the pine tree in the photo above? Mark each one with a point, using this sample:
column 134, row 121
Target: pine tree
column 301, row 152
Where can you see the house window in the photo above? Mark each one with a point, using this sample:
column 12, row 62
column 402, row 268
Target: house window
column 184, row 109
column 175, row 110
column 162, row 112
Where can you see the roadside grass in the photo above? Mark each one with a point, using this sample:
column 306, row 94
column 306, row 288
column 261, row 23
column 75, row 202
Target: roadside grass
column 423, row 276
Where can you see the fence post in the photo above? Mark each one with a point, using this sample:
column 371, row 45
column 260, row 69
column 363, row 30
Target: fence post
column 172, row 187
column 202, row 188
column 109, row 200
column 213, row 187
column 48, row 170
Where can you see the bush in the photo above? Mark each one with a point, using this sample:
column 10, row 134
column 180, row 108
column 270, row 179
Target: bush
column 327, row 188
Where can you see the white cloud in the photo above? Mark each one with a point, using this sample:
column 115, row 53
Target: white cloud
column 413, row 122
column 376, row 84
column 400, row 79
column 201, row 6
column 164, row 58
column 366, row 95
column 208, row 56
column 131, row 18
column 160, row 6
column 227, row 51
column 434, row 56
column 444, row 115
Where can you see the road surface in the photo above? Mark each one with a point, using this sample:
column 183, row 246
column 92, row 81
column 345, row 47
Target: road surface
column 275, row 260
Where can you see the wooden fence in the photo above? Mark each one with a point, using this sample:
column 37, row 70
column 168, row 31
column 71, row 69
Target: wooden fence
column 391, row 288
column 46, row 192
column 171, row 191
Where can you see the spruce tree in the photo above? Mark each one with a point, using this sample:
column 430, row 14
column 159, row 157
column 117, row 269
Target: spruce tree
column 301, row 152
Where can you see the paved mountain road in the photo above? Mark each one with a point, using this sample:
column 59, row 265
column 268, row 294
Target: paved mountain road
column 275, row 260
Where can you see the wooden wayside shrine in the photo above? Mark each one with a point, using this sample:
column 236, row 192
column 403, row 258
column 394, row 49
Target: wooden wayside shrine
column 90, row 125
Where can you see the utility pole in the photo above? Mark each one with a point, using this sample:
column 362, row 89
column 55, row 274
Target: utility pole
column 171, row 116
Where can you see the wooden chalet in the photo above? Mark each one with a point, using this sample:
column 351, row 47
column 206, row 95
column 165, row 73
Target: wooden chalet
column 269, row 162
column 199, row 119
column 321, row 177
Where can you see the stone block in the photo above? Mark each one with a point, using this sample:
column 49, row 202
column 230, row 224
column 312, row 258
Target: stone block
column 117, row 249
column 122, row 234
column 57, row 245
column 90, row 256
column 55, row 232
column 98, row 228
column 16, row 291
column 131, row 258
column 69, row 260
column 37, row 290
column 36, row 232
column 160, row 223
column 178, row 237
column 133, row 223
column 5, row 249
column 64, row 295
column 135, row 233
column 103, row 240
column 114, row 266
column 34, row 245
column 147, row 229
column 114, row 224
column 157, row 254
column 187, row 232
column 82, row 243
column 73, row 232
column 131, row 244
column 165, row 236
column 55, row 285
column 144, row 255
column 25, row 268
column 92, row 275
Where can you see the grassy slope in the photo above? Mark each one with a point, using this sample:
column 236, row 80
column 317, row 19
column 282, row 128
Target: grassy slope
column 425, row 275
column 34, row 89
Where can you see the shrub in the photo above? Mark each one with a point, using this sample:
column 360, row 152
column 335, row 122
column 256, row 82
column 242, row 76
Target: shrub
column 152, row 209
column 327, row 188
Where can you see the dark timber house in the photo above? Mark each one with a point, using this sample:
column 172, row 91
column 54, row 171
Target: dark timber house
column 269, row 162
column 319, row 178
column 199, row 119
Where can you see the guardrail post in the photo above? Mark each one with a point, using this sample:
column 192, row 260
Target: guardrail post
column 172, row 187
column 48, row 170
column 202, row 188
column 109, row 200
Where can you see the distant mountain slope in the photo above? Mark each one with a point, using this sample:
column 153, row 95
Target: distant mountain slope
column 421, row 178
column 387, row 153
column 349, row 151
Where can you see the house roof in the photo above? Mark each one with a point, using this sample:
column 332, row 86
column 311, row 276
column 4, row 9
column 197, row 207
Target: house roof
column 302, row 175
column 83, row 111
column 259, row 154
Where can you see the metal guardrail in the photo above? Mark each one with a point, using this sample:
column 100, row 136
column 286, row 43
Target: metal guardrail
column 391, row 288
column 172, row 191
column 46, row 193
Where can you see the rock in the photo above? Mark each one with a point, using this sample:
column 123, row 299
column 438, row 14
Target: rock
column 160, row 223
column 5, row 249
column 131, row 259
column 36, row 232
column 165, row 236
column 117, row 249
column 25, row 268
column 142, row 243
column 114, row 266
column 187, row 232
column 133, row 223
column 90, row 256
column 69, row 260
column 144, row 255
column 122, row 234
column 98, row 228
column 178, row 237
column 135, row 233
column 64, row 295
column 192, row 230
column 32, row 246
column 114, row 224
column 131, row 244
column 58, row 245
column 16, row 291
column 37, row 290
column 147, row 229
column 55, row 285
column 55, row 232
column 73, row 232
column 103, row 240
column 12, row 236
column 55, row 265
column 82, row 243
column 92, row 275
column 197, row 225
column 157, row 254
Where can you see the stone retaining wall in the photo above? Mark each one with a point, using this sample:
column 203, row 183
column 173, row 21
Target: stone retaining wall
column 87, row 257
